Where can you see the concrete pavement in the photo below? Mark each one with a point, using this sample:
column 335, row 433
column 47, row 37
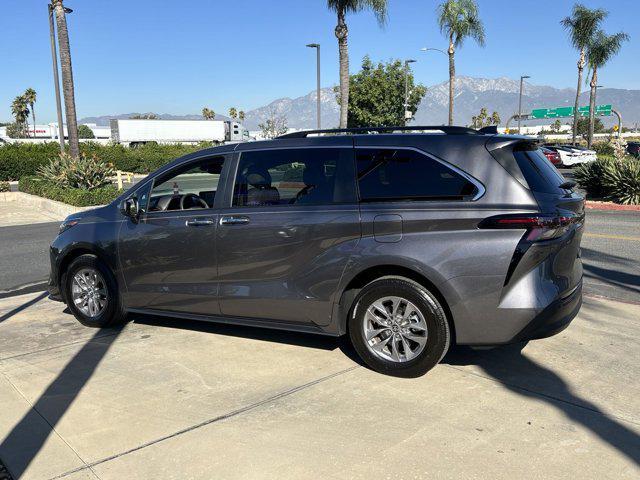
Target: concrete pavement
column 175, row 399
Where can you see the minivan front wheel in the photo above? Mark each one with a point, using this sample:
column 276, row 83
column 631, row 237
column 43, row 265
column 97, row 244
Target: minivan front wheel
column 91, row 292
column 398, row 327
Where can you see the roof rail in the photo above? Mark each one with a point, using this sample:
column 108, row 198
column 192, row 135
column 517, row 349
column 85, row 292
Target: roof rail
column 448, row 130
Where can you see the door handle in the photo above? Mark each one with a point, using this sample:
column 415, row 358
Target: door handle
column 200, row 223
column 234, row 220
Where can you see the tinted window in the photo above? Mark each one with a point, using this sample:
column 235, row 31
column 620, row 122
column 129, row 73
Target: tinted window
column 187, row 187
column 539, row 173
column 386, row 174
column 314, row 176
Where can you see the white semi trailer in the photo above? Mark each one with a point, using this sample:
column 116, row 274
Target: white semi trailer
column 135, row 132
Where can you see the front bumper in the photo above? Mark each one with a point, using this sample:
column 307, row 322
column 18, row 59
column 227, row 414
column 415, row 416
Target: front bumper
column 553, row 319
column 54, row 289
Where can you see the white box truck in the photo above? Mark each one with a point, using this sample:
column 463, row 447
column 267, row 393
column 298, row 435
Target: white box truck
column 135, row 132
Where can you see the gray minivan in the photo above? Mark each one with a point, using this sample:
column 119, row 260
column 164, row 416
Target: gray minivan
column 404, row 239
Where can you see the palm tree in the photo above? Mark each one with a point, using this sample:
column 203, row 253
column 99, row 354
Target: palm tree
column 458, row 19
column 20, row 110
column 241, row 115
column 233, row 113
column 30, row 96
column 341, row 8
column 67, row 78
column 581, row 25
column 208, row 114
column 600, row 50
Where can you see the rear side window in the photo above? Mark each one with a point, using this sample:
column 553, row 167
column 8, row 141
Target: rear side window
column 294, row 177
column 397, row 174
column 539, row 173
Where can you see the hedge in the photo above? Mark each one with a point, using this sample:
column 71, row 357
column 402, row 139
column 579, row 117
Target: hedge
column 4, row 187
column 72, row 196
column 18, row 160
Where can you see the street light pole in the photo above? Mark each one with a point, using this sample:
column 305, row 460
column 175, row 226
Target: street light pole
column 406, row 89
column 56, row 80
column 317, row 47
column 522, row 77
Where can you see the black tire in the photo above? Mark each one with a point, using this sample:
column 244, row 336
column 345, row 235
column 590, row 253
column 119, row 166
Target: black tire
column 113, row 312
column 438, row 332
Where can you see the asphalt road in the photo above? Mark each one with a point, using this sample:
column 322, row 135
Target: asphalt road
column 610, row 253
column 24, row 257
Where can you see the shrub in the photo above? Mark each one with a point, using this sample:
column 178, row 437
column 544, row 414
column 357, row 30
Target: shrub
column 622, row 181
column 84, row 172
column 590, row 175
column 85, row 132
column 615, row 180
column 73, row 196
column 18, row 160
column 603, row 148
column 4, row 187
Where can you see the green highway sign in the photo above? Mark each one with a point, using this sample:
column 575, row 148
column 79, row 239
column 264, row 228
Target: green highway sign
column 539, row 113
column 601, row 110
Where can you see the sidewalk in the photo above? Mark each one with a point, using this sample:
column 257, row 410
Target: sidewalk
column 177, row 399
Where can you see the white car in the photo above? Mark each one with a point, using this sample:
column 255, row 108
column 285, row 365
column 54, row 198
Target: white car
column 590, row 155
column 570, row 155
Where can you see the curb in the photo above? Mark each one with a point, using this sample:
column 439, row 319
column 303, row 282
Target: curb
column 54, row 208
column 593, row 205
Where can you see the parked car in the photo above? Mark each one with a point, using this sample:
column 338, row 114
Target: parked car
column 552, row 156
column 633, row 148
column 405, row 242
column 588, row 155
column 568, row 156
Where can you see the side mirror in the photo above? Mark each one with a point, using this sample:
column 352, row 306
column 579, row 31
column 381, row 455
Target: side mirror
column 130, row 208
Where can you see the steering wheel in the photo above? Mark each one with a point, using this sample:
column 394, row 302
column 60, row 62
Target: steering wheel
column 195, row 200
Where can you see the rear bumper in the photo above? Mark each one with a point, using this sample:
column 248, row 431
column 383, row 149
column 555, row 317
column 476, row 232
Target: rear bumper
column 553, row 319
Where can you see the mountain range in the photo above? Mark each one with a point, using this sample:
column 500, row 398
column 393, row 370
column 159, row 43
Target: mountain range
column 496, row 94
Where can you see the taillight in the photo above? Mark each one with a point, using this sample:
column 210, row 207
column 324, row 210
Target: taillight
column 538, row 227
column 553, row 157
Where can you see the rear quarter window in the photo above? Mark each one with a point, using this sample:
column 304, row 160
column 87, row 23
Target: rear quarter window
column 539, row 173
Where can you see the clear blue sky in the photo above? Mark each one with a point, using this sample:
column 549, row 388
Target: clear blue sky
column 175, row 57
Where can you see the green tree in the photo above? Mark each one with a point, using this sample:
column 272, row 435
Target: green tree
column 85, row 132
column 15, row 130
column 458, row 20
column 556, row 126
column 377, row 95
column 233, row 113
column 583, row 126
column 67, row 78
column 20, row 111
column 241, row 115
column 600, row 50
column 208, row 114
column 30, row 96
column 341, row 8
column 581, row 26
column 483, row 119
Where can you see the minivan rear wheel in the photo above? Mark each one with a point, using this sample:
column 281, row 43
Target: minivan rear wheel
column 91, row 293
column 398, row 327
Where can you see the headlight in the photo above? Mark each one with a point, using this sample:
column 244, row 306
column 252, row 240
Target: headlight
column 66, row 225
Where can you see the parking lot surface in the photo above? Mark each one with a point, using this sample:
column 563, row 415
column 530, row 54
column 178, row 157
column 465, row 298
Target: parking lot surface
column 175, row 399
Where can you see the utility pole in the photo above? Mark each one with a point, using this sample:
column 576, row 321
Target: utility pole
column 406, row 90
column 317, row 47
column 522, row 77
column 56, row 79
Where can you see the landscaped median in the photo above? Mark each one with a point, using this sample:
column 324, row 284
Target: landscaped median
column 78, row 197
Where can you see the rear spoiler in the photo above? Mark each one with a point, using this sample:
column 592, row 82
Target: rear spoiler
column 512, row 141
